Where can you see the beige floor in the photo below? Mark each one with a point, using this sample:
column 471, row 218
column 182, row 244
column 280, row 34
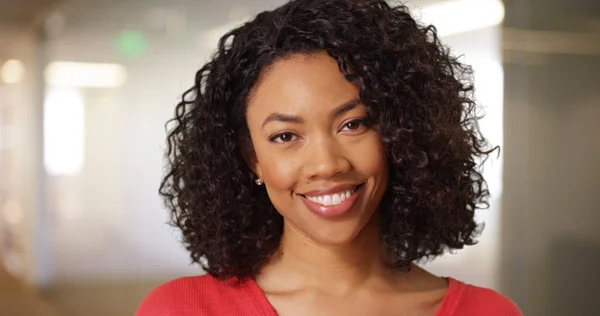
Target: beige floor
column 113, row 298
column 16, row 300
column 101, row 298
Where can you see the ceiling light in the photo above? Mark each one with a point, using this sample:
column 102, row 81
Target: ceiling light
column 92, row 75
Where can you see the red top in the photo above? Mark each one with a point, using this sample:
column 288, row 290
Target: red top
column 207, row 296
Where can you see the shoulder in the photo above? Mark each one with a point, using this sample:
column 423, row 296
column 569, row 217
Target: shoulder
column 189, row 296
column 473, row 300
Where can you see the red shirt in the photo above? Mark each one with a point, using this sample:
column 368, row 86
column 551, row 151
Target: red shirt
column 207, row 296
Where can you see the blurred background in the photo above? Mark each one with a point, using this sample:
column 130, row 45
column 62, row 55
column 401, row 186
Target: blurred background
column 86, row 87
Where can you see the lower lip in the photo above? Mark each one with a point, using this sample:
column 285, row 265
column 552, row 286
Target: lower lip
column 332, row 210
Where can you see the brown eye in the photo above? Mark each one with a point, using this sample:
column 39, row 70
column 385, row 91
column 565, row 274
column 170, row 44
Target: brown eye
column 283, row 137
column 355, row 125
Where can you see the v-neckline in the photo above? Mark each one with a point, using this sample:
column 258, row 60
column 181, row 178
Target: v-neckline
column 447, row 307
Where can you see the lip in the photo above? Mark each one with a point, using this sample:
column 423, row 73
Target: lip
column 331, row 211
column 335, row 189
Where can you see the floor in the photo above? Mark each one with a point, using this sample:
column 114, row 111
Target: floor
column 115, row 298
column 101, row 298
column 17, row 300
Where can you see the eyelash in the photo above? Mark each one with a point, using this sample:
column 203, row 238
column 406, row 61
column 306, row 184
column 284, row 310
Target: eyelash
column 364, row 122
column 274, row 138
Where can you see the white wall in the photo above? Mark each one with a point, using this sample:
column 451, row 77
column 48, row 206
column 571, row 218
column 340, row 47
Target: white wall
column 25, row 248
column 551, row 245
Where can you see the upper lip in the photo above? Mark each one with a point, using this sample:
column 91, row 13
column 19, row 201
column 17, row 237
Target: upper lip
column 331, row 190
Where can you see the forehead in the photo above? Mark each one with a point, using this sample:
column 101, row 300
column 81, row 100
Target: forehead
column 303, row 82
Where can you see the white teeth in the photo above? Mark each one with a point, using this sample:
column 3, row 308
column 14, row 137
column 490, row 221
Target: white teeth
column 336, row 199
column 331, row 199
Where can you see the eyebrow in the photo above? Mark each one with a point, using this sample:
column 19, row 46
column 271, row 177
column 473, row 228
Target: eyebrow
column 280, row 117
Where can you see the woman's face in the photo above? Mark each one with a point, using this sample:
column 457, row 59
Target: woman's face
column 322, row 163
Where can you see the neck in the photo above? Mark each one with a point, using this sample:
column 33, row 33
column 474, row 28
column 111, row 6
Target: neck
column 302, row 263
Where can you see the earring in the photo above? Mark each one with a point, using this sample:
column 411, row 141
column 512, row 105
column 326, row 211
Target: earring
column 258, row 181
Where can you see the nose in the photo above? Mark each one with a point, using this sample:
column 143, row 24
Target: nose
column 324, row 159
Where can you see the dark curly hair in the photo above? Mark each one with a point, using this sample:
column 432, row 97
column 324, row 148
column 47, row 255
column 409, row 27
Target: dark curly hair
column 417, row 93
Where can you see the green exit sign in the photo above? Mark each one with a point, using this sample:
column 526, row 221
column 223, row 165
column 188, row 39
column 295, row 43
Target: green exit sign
column 131, row 43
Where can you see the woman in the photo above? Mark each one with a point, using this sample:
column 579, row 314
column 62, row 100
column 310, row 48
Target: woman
column 326, row 147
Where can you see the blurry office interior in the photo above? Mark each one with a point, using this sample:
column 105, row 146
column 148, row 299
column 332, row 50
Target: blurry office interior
column 86, row 87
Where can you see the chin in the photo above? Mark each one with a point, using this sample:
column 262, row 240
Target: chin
column 334, row 234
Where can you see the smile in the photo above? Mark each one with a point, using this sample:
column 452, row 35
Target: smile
column 332, row 199
column 332, row 202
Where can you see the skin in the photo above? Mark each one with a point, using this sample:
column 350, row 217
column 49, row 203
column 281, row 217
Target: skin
column 327, row 266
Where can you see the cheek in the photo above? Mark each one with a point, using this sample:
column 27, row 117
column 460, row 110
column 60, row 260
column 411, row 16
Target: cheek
column 280, row 178
column 278, row 171
column 375, row 163
column 280, row 175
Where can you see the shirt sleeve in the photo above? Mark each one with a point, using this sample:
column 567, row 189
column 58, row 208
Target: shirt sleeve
column 486, row 302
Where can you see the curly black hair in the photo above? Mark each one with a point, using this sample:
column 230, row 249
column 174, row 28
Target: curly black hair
column 419, row 95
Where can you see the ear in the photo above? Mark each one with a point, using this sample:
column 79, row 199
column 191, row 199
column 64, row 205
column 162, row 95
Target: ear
column 258, row 172
column 253, row 164
column 251, row 160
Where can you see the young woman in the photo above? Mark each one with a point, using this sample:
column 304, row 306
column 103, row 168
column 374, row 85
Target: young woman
column 326, row 147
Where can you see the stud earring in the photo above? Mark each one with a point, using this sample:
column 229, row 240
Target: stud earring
column 258, row 181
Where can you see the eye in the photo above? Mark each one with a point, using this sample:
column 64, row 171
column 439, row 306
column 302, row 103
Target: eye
column 355, row 125
column 284, row 137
